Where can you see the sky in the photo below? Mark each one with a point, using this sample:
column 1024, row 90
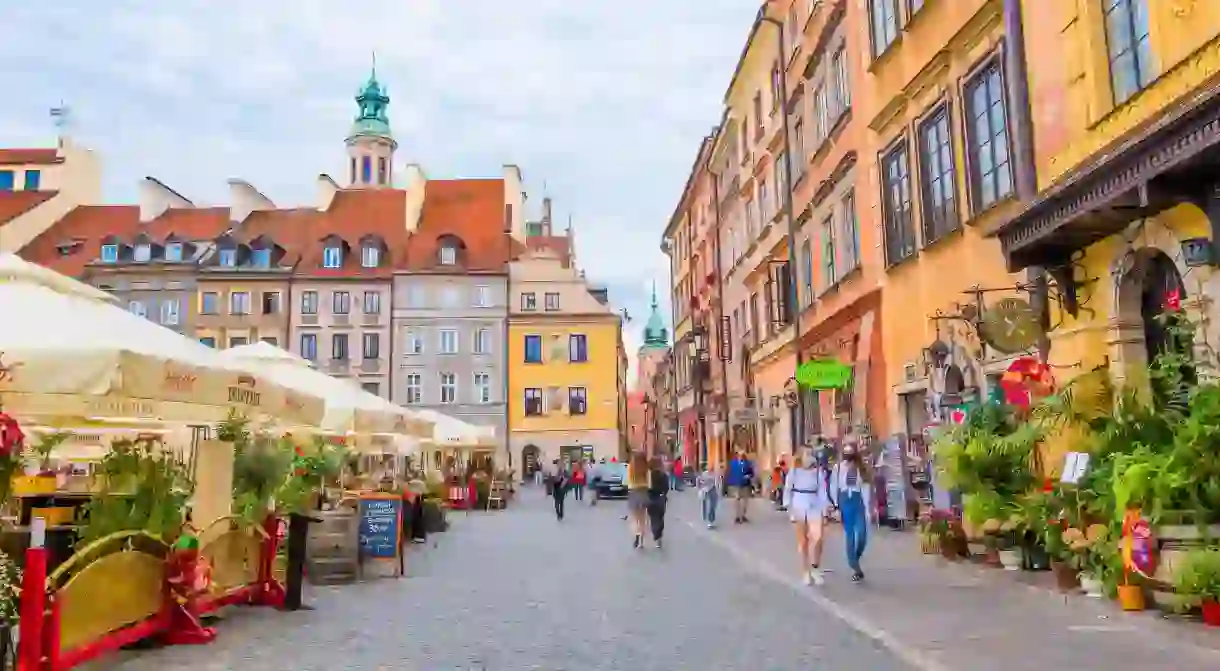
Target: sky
column 602, row 103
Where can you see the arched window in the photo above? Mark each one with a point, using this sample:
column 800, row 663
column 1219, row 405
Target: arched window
column 450, row 250
column 366, row 170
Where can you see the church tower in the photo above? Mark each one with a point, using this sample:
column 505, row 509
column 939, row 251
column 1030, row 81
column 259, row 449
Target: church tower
column 370, row 144
column 656, row 344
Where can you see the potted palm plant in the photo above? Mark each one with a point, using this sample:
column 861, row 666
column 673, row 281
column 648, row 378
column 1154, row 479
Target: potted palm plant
column 1197, row 583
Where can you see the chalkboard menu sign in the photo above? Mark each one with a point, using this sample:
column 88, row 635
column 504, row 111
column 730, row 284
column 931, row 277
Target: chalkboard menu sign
column 380, row 526
column 893, row 469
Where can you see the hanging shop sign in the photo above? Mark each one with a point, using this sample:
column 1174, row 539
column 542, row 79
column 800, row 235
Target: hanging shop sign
column 824, row 374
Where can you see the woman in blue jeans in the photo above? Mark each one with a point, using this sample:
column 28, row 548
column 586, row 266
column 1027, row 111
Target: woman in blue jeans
column 709, row 483
column 852, row 490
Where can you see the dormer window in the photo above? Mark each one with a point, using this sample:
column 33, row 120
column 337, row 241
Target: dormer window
column 332, row 257
column 142, row 253
column 370, row 256
column 110, row 253
column 448, row 255
column 173, row 251
column 451, row 251
column 228, row 257
column 261, row 258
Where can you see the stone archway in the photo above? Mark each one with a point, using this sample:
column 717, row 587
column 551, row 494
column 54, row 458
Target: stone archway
column 1147, row 281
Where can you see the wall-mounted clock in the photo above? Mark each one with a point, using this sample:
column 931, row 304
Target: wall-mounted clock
column 1011, row 326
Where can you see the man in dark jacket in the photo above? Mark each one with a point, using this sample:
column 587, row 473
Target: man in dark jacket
column 560, row 480
column 658, row 496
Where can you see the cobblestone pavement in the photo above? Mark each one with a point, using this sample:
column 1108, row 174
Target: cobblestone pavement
column 519, row 590
column 959, row 616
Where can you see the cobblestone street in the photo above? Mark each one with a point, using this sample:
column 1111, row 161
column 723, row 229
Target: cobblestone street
column 519, row 590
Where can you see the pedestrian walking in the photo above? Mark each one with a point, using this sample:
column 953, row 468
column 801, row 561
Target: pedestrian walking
column 560, row 482
column 658, row 498
column 578, row 481
column 709, row 483
column 538, row 475
column 637, row 496
column 595, row 479
column 807, row 499
column 679, row 471
column 852, row 489
column 740, row 482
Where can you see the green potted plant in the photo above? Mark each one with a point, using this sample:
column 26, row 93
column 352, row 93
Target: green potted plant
column 1091, row 556
column 1008, row 544
column 1197, row 583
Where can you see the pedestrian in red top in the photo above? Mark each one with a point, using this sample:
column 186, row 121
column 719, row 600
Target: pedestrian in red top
column 578, row 480
column 678, row 473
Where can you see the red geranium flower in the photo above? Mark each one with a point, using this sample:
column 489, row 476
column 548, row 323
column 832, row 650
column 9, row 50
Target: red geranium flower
column 299, row 451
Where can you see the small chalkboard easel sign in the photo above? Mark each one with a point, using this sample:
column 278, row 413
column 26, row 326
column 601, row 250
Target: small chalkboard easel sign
column 380, row 530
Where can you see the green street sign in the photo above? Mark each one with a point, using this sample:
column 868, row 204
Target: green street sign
column 823, row 374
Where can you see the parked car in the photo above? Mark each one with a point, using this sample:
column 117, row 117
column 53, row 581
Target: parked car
column 613, row 481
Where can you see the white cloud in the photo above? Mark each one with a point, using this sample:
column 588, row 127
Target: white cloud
column 605, row 101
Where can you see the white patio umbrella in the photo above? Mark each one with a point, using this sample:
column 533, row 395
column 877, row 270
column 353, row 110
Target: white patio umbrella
column 449, row 431
column 349, row 409
column 13, row 268
column 65, row 355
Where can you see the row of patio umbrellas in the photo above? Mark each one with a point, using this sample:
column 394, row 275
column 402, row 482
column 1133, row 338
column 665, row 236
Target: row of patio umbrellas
column 67, row 352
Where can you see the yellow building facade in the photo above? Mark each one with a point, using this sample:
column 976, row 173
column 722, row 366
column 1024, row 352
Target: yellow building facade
column 565, row 372
column 1126, row 112
column 936, row 185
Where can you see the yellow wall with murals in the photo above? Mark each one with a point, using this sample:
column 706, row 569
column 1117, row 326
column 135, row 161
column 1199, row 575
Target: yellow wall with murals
column 599, row 375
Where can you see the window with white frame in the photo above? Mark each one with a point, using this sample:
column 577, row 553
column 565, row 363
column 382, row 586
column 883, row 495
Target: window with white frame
column 482, row 296
column 448, row 255
column 370, row 256
column 529, row 301
column 414, row 342
column 171, row 312
column 372, row 302
column 415, row 388
column 806, row 274
column 332, row 257
column 827, row 232
column 849, row 234
column 1129, row 47
column 173, row 251
column 482, row 388
column 552, row 301
column 840, row 83
column 137, row 308
column 482, row 341
column 239, row 303
column 309, row 302
column 340, row 302
column 449, row 388
column 110, row 253
column 883, row 19
column 142, row 253
column 448, row 341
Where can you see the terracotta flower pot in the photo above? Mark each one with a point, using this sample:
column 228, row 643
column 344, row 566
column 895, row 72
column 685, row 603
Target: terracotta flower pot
column 1131, row 597
column 1065, row 576
column 1211, row 613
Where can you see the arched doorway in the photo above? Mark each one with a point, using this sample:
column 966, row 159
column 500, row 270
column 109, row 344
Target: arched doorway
column 1150, row 316
column 530, row 455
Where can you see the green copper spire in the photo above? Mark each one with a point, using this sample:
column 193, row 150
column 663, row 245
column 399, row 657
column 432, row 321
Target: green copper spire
column 655, row 333
column 373, row 102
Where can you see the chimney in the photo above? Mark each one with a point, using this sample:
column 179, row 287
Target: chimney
column 327, row 188
column 514, row 201
column 546, row 215
column 156, row 198
column 416, row 188
column 244, row 199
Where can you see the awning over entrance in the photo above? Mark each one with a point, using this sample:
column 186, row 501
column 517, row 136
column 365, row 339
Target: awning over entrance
column 1170, row 161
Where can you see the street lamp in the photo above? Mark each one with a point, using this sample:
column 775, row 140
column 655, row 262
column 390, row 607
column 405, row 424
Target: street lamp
column 793, row 303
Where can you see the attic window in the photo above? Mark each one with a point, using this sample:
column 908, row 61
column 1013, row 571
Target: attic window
column 448, row 255
column 332, row 257
column 110, row 253
column 261, row 258
column 143, row 253
column 228, row 258
column 173, row 251
column 370, row 256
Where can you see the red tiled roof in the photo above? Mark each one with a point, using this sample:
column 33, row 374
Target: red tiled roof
column 469, row 209
column 87, row 225
column 13, row 204
column 353, row 214
column 560, row 244
column 201, row 223
column 29, row 157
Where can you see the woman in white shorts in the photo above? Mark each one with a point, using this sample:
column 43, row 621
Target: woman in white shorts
column 807, row 500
